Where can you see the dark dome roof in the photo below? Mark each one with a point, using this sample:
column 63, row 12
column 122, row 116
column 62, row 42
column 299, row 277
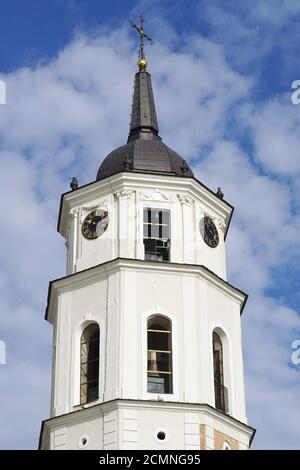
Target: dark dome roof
column 142, row 155
column 145, row 151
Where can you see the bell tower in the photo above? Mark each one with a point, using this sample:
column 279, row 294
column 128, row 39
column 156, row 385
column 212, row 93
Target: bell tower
column 147, row 349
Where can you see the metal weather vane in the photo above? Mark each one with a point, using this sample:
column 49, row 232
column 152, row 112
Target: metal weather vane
column 142, row 63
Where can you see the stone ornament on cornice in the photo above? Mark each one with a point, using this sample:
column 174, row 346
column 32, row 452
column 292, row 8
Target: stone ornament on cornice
column 97, row 205
column 74, row 213
column 221, row 224
column 90, row 208
column 185, row 199
column 205, row 213
column 156, row 196
column 124, row 194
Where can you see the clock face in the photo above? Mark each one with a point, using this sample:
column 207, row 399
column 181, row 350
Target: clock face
column 209, row 232
column 95, row 224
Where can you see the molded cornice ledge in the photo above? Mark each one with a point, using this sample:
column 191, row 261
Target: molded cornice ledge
column 79, row 416
column 102, row 270
column 138, row 181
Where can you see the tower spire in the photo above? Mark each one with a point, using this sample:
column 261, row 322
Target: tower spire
column 143, row 124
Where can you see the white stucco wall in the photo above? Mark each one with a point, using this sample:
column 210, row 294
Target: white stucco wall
column 124, row 199
column 130, row 425
column 120, row 296
column 108, row 282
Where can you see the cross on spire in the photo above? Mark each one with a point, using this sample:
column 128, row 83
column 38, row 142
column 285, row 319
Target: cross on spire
column 142, row 62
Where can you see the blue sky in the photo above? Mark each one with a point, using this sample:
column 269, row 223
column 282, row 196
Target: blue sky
column 69, row 66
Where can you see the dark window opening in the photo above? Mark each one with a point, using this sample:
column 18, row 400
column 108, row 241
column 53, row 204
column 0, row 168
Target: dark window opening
column 157, row 234
column 89, row 364
column 221, row 392
column 159, row 355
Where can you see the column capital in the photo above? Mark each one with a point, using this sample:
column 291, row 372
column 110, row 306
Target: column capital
column 221, row 224
column 185, row 199
column 74, row 213
column 124, row 194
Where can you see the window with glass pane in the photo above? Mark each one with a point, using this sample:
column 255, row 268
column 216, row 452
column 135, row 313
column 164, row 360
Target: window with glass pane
column 89, row 364
column 159, row 360
column 221, row 392
column 157, row 234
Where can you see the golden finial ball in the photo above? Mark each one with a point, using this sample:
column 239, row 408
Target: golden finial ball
column 142, row 64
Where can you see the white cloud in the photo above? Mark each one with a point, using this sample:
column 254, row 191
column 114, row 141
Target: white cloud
column 276, row 134
column 192, row 106
column 249, row 30
column 263, row 226
column 276, row 13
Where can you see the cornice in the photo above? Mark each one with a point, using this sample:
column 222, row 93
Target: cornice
column 103, row 269
column 83, row 414
column 189, row 187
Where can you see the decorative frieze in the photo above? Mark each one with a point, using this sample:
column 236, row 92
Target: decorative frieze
column 92, row 207
column 102, row 204
column 157, row 196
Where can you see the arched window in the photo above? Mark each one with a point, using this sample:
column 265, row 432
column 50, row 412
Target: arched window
column 159, row 340
column 89, row 364
column 226, row 446
column 221, row 392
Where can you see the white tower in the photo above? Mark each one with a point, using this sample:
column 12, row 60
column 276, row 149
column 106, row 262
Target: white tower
column 147, row 349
